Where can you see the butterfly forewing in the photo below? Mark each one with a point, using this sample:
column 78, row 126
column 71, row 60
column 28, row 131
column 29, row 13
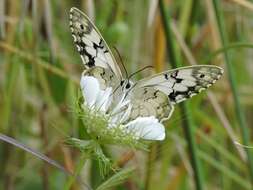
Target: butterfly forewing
column 156, row 95
column 182, row 83
column 90, row 44
column 105, row 77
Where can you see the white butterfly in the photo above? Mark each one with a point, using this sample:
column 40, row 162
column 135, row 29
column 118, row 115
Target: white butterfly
column 143, row 105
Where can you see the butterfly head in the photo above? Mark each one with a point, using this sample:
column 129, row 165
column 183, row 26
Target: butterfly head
column 126, row 85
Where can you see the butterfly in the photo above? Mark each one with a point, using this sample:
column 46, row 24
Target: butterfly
column 141, row 105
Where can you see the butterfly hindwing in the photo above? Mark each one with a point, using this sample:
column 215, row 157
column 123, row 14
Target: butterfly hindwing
column 106, row 78
column 90, row 44
column 148, row 101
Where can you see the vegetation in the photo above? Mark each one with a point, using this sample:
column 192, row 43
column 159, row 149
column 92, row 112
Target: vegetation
column 208, row 141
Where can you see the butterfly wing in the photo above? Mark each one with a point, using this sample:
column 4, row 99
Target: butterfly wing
column 157, row 94
column 90, row 44
column 105, row 77
column 148, row 101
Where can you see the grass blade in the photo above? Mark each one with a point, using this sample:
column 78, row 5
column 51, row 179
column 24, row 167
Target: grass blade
column 33, row 152
column 187, row 123
column 238, row 108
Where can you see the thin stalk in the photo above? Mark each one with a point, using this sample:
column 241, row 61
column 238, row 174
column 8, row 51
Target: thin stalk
column 41, row 63
column 78, row 170
column 150, row 163
column 168, row 34
column 187, row 122
column 185, row 16
column 188, row 127
column 231, row 75
column 44, row 137
column 2, row 19
column 225, row 48
column 194, row 13
column 34, row 152
column 230, row 174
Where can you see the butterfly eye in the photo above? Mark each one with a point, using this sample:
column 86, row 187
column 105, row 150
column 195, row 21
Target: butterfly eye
column 202, row 76
column 128, row 85
column 81, row 26
column 121, row 83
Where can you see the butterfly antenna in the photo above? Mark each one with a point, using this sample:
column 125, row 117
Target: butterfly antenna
column 144, row 68
column 121, row 61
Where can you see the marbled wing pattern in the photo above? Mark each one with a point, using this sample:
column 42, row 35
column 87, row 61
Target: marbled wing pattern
column 104, row 76
column 151, row 96
column 90, row 44
column 148, row 101
column 157, row 94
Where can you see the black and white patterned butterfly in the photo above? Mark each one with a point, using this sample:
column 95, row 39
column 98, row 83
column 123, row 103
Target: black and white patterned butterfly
column 152, row 97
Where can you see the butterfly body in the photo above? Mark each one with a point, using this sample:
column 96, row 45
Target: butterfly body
column 154, row 96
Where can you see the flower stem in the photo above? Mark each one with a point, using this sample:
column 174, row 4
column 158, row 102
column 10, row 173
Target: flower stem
column 187, row 122
column 78, row 169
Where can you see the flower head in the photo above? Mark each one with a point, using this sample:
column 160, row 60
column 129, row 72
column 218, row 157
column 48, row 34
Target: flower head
column 108, row 121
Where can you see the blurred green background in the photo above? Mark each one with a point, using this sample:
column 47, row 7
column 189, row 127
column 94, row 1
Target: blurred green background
column 39, row 81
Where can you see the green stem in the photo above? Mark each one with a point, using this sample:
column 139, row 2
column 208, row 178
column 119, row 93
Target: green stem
column 193, row 17
column 150, row 166
column 227, row 47
column 185, row 16
column 230, row 174
column 168, row 33
column 78, row 169
column 188, row 126
column 187, row 122
column 238, row 108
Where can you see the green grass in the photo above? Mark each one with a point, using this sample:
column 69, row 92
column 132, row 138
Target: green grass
column 39, row 87
column 188, row 123
column 238, row 109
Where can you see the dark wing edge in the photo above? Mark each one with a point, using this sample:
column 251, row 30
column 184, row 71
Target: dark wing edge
column 87, row 28
column 183, row 83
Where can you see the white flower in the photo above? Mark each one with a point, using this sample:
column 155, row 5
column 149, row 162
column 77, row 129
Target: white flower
column 94, row 97
column 148, row 128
